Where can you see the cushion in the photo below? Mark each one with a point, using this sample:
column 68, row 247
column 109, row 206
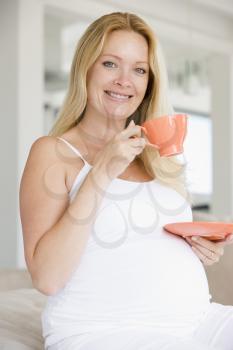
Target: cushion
column 20, row 319
column 14, row 279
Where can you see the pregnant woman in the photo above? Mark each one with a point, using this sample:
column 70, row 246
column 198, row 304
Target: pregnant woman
column 94, row 198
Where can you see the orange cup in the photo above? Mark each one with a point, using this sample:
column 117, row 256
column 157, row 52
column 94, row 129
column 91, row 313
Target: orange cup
column 167, row 133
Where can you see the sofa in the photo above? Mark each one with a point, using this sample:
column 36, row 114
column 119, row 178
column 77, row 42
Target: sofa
column 20, row 311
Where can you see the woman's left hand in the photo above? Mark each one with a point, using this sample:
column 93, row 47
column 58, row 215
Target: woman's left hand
column 209, row 252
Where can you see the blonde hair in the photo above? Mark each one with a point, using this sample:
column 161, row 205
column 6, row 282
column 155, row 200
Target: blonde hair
column 155, row 103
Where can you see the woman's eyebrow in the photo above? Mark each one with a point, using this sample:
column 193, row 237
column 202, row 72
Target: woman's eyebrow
column 119, row 58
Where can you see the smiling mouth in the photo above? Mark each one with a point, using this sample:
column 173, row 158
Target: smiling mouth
column 120, row 97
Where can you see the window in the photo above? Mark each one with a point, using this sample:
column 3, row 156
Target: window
column 198, row 155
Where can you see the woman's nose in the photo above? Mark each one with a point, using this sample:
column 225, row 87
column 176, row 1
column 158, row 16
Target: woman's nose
column 123, row 79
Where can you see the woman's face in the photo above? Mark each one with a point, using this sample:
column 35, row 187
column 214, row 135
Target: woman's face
column 117, row 82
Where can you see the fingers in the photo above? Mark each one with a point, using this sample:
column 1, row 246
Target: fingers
column 135, row 131
column 228, row 240
column 131, row 130
column 204, row 258
column 145, row 142
column 208, row 252
column 137, row 142
column 206, row 243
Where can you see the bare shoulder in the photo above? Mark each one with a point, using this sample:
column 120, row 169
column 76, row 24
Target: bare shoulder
column 43, row 150
column 44, row 169
column 49, row 149
column 46, row 145
column 43, row 155
column 49, row 152
column 44, row 141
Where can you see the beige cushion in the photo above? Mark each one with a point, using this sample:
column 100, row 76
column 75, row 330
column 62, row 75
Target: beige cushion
column 20, row 319
column 14, row 279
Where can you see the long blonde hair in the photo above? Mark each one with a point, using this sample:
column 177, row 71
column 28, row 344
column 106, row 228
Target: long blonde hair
column 155, row 103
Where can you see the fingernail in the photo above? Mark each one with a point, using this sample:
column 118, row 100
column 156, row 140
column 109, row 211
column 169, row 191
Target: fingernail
column 194, row 238
column 230, row 238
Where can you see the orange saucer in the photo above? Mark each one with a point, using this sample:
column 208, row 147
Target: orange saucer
column 211, row 230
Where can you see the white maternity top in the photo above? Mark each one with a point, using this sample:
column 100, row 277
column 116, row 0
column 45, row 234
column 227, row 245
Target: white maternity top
column 132, row 272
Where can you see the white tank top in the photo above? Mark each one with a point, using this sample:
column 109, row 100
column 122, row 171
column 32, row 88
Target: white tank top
column 132, row 272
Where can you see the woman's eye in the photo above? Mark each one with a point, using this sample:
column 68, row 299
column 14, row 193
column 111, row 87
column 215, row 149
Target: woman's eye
column 109, row 64
column 141, row 70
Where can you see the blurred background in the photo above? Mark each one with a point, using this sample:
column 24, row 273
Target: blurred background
column 38, row 39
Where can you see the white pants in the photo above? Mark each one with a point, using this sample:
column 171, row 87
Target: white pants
column 214, row 332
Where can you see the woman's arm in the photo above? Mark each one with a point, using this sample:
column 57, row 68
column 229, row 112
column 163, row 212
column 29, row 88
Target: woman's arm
column 55, row 231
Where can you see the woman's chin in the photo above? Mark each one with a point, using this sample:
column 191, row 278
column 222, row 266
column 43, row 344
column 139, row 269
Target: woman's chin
column 118, row 113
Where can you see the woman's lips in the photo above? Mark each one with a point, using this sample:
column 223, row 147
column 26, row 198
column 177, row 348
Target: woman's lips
column 117, row 96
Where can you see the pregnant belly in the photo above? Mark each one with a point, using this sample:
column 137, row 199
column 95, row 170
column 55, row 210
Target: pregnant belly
column 142, row 280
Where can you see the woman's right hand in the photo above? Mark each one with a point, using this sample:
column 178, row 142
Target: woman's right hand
column 120, row 151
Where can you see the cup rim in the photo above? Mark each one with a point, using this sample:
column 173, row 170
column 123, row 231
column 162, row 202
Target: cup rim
column 166, row 116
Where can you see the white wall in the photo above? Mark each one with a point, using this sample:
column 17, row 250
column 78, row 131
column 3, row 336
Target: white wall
column 21, row 93
column 9, row 125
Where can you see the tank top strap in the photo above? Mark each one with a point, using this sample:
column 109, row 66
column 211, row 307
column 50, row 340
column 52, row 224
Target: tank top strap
column 74, row 149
